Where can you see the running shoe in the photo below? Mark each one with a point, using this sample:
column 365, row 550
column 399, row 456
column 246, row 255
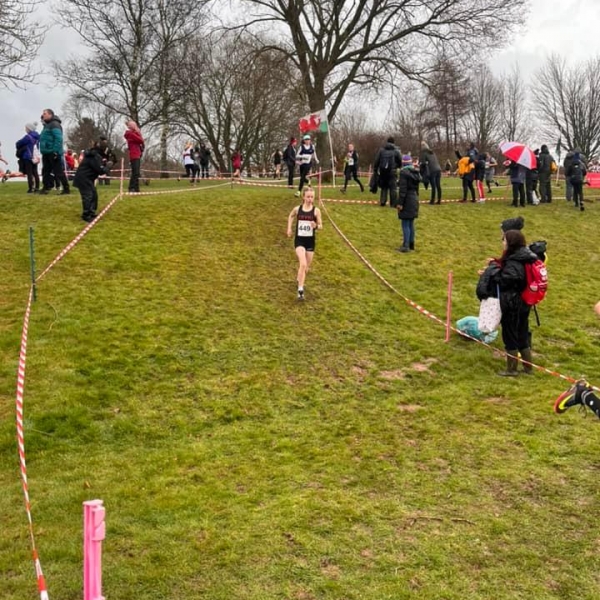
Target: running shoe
column 572, row 397
column 297, row 194
column 300, row 294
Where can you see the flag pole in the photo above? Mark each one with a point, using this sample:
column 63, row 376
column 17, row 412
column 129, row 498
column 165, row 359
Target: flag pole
column 331, row 150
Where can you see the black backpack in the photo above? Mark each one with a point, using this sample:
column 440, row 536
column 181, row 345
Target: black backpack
column 576, row 172
column 386, row 162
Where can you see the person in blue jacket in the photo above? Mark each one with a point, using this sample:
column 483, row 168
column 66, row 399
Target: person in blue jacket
column 52, row 151
column 29, row 157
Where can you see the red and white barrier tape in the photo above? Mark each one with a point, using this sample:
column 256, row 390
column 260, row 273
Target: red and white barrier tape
column 178, row 190
column 41, row 582
column 78, row 238
column 429, row 314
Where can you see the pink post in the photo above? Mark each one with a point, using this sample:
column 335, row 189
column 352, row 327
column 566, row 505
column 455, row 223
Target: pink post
column 93, row 533
column 449, row 307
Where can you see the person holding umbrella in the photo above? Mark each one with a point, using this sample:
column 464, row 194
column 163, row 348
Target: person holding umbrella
column 520, row 158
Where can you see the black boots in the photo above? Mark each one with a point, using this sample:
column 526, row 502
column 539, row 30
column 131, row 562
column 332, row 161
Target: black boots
column 511, row 365
column 526, row 355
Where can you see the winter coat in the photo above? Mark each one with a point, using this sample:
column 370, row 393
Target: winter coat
column 465, row 167
column 26, row 144
column 135, row 143
column 429, row 158
column 289, row 155
column 576, row 171
column 568, row 160
column 388, row 155
column 517, row 173
column 486, row 287
column 480, row 168
column 89, row 168
column 203, row 154
column 545, row 160
column 408, row 193
column 512, row 280
column 236, row 161
column 51, row 138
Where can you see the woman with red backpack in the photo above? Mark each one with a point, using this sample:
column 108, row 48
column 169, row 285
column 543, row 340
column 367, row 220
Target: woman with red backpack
column 511, row 280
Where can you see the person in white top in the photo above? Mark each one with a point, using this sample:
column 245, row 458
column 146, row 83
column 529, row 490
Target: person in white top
column 189, row 163
column 305, row 157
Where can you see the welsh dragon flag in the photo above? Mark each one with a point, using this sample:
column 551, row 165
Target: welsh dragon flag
column 314, row 122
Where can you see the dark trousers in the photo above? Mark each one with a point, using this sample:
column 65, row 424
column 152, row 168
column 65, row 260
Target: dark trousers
column 467, row 185
column 89, row 199
column 435, row 180
column 515, row 328
column 189, row 171
column 545, row 181
column 304, row 171
column 31, row 171
column 577, row 193
column 290, row 168
column 388, row 185
column 204, row 170
column 134, row 179
column 53, row 171
column 351, row 173
column 529, row 191
column 569, row 190
column 518, row 190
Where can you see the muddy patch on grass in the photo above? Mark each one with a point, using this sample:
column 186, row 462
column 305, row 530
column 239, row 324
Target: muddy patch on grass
column 392, row 375
column 409, row 408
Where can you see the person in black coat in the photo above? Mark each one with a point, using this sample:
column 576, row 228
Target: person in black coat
column 85, row 178
column 575, row 175
column 511, row 281
column 387, row 161
column 289, row 158
column 408, row 202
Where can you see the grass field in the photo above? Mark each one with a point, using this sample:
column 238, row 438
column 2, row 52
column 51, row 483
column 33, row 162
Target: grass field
column 252, row 447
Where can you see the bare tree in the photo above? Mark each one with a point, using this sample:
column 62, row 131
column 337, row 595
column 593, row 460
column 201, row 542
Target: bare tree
column 338, row 44
column 250, row 102
column 571, row 107
column 105, row 121
column 483, row 114
column 134, row 47
column 515, row 121
column 449, row 98
column 19, row 41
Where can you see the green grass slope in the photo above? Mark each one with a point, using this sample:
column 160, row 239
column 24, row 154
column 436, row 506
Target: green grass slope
column 250, row 446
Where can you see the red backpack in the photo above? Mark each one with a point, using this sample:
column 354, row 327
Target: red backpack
column 537, row 283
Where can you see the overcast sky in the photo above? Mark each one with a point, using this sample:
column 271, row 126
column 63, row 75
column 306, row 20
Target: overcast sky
column 568, row 27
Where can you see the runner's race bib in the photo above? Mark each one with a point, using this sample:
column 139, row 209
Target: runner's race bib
column 305, row 229
column 305, row 159
column 350, row 162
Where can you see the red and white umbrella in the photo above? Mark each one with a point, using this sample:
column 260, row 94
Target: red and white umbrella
column 519, row 153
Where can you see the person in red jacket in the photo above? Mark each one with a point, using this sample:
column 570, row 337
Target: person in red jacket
column 135, row 145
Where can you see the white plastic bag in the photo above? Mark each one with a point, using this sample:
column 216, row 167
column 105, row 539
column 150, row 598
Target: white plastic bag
column 489, row 315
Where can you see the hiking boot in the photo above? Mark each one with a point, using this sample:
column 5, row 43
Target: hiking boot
column 572, row 397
